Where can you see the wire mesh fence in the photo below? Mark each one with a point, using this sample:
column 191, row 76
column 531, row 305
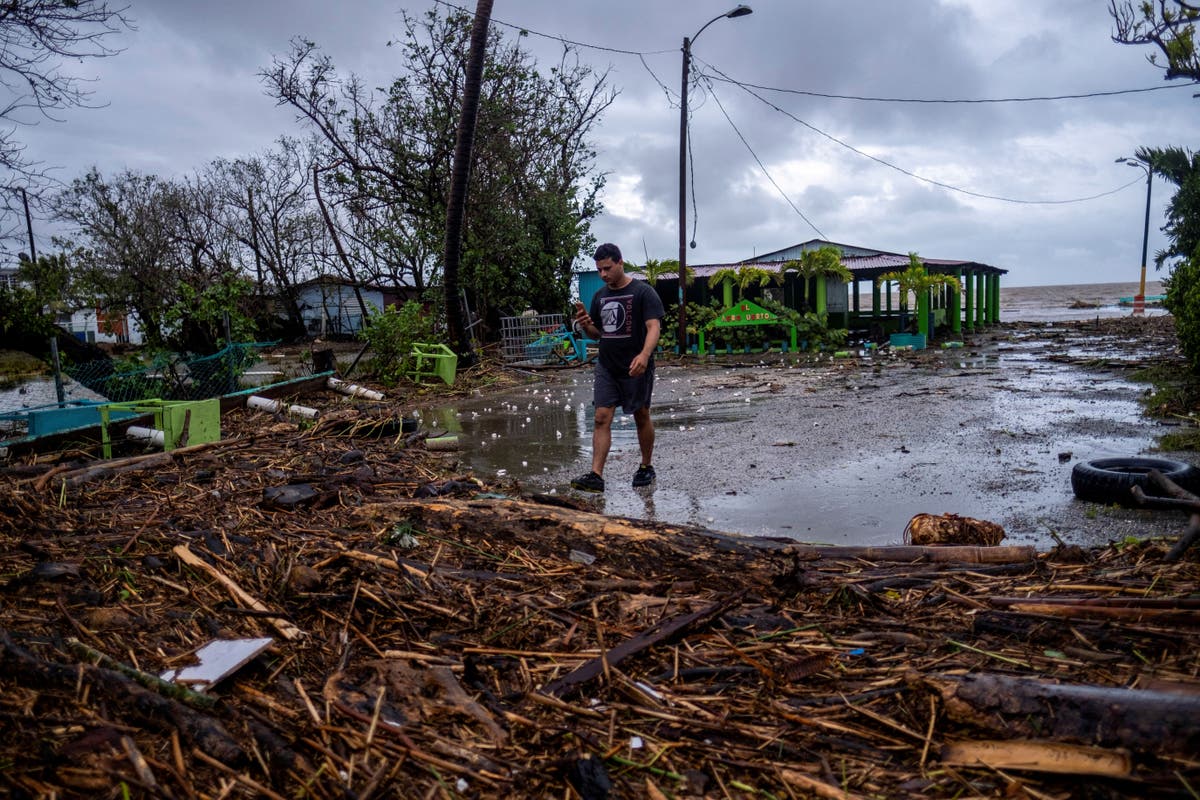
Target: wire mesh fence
column 169, row 376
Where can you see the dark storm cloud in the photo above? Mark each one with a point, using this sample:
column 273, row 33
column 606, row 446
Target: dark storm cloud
column 186, row 90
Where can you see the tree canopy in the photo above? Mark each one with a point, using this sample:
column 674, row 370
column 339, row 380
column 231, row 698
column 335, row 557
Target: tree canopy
column 38, row 38
column 386, row 160
column 1169, row 25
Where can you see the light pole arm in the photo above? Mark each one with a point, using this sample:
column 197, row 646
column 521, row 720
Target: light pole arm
column 737, row 11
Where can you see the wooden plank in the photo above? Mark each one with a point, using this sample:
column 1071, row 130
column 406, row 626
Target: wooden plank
column 1038, row 757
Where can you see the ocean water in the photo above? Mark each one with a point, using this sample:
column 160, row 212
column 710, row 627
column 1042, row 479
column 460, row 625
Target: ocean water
column 1077, row 301
column 1071, row 302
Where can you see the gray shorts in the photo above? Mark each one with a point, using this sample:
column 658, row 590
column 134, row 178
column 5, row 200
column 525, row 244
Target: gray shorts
column 630, row 394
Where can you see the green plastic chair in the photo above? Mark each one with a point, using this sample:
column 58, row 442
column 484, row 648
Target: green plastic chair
column 433, row 361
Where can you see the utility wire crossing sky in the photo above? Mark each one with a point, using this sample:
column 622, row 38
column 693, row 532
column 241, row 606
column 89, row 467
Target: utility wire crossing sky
column 960, row 129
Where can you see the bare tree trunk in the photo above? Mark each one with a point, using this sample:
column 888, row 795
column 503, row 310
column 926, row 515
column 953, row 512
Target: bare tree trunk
column 337, row 243
column 460, row 173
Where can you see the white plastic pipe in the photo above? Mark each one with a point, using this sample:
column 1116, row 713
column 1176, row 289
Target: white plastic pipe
column 152, row 435
column 264, row 404
column 303, row 411
column 353, row 389
column 277, row 406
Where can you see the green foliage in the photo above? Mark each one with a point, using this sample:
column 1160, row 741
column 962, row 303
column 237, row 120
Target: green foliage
column 810, row 326
column 654, row 269
column 27, row 310
column 1183, row 301
column 824, row 262
column 1182, row 168
column 916, row 279
column 196, row 320
column 698, row 315
column 130, row 255
column 391, row 334
column 131, row 381
column 21, row 315
column 49, row 279
column 1171, row 28
column 533, row 190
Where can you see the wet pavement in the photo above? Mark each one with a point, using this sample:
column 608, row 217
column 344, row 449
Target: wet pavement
column 842, row 451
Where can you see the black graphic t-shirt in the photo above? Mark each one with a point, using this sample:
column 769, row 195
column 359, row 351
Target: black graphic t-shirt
column 621, row 317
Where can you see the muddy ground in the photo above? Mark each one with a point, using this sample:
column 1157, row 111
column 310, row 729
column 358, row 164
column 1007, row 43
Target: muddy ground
column 847, row 450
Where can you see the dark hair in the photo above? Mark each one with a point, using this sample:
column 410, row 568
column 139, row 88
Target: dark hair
column 607, row 250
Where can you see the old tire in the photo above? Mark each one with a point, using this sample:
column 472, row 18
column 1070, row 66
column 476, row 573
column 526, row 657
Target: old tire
column 1108, row 480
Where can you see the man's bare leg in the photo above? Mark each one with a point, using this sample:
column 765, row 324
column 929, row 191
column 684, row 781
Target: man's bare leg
column 645, row 434
column 602, row 438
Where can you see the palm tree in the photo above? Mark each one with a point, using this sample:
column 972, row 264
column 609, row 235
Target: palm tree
column 917, row 280
column 1182, row 168
column 825, row 262
column 743, row 278
column 655, row 269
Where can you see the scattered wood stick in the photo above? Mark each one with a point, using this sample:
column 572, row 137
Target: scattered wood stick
column 662, row 632
column 285, row 628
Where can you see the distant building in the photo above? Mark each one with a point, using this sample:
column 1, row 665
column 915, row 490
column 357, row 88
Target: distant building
column 91, row 325
column 979, row 293
column 329, row 305
column 94, row 325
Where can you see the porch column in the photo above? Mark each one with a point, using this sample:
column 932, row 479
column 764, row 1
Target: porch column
column 955, row 311
column 979, row 296
column 874, row 300
column 923, row 313
column 969, row 311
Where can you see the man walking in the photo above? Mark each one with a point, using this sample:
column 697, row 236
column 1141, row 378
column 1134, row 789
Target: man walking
column 630, row 315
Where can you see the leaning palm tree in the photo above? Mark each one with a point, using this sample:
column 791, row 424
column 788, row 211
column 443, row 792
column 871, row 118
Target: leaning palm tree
column 916, row 279
column 1182, row 168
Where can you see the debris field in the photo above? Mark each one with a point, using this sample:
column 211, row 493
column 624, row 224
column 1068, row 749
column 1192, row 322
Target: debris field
column 430, row 636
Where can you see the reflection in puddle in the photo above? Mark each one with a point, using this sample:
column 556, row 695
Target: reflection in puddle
column 537, row 434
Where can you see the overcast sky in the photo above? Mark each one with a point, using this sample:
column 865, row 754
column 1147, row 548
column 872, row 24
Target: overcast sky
column 185, row 91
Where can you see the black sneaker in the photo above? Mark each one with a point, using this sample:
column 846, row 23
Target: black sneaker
column 588, row 483
column 644, row 476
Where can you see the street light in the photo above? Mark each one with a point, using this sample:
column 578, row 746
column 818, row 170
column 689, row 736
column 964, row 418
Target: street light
column 739, row 11
column 1139, row 302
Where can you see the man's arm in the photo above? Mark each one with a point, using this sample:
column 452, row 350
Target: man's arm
column 642, row 360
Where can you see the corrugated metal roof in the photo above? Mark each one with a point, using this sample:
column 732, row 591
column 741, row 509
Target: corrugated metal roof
column 864, row 267
column 857, row 265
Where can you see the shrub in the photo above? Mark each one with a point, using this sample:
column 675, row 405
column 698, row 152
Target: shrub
column 1183, row 301
column 391, row 334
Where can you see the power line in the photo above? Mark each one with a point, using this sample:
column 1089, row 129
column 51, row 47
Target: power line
column 827, row 95
column 712, row 93
column 563, row 40
column 949, row 101
column 670, row 100
column 909, row 173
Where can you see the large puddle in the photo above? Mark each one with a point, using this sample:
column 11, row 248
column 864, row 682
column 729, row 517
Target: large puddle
column 834, row 454
column 844, row 452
